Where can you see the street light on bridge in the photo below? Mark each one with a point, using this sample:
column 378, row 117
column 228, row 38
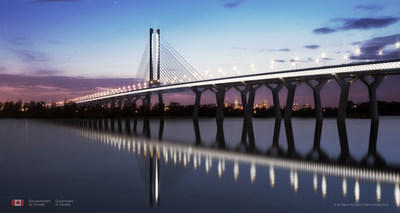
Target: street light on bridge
column 357, row 51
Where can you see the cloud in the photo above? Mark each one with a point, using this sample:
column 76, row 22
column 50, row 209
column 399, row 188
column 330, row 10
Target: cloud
column 53, row 1
column 261, row 49
column 233, row 3
column 368, row 23
column 46, row 72
column 283, row 50
column 275, row 50
column 50, row 88
column 368, row 7
column 370, row 48
column 358, row 24
column 312, row 46
column 323, row 30
column 356, row 43
column 31, row 56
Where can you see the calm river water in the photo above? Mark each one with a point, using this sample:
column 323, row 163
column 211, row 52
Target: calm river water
column 99, row 168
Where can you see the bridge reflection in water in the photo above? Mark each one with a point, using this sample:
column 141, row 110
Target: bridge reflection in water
column 126, row 138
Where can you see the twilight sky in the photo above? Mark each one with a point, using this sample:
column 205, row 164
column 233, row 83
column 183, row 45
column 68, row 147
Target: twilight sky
column 78, row 41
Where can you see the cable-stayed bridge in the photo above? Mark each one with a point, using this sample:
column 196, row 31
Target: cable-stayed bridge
column 164, row 70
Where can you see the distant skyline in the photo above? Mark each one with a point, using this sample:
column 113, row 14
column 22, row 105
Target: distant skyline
column 83, row 39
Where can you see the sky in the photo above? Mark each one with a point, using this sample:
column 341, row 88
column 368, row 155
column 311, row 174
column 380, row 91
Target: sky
column 80, row 41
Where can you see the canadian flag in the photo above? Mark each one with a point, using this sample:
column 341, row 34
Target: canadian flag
column 17, row 202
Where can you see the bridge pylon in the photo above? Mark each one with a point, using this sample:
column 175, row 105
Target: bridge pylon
column 154, row 46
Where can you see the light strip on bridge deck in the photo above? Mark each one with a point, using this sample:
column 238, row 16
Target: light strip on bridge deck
column 388, row 67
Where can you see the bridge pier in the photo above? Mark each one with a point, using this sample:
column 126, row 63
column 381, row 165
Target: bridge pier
column 220, row 96
column 100, row 123
column 247, row 135
column 196, row 107
column 94, row 123
column 106, row 123
column 135, row 125
column 344, row 84
column 134, row 108
column 277, row 110
column 112, row 124
column 146, row 122
column 146, row 128
column 220, row 134
column 161, row 129
column 128, row 126
column 291, row 89
column 160, row 103
column 197, row 133
column 147, row 102
column 119, row 123
column 374, row 116
column 248, row 105
column 316, row 87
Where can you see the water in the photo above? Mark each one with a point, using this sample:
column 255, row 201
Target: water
column 116, row 171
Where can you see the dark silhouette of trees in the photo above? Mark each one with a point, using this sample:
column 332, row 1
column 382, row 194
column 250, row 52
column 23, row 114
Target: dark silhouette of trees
column 41, row 110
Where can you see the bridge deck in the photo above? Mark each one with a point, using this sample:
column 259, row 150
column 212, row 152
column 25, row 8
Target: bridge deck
column 380, row 67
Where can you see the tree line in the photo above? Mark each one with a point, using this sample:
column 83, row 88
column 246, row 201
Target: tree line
column 41, row 110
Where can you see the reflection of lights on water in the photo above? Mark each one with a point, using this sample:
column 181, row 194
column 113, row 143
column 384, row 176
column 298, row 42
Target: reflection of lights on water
column 156, row 183
column 291, row 177
column 397, row 194
column 188, row 157
column 184, row 159
column 252, row 172
column 344, row 187
column 378, row 192
column 271, row 176
column 199, row 160
column 236, row 170
column 207, row 165
column 223, row 165
column 295, row 182
column 129, row 144
column 180, row 156
column 194, row 162
column 166, row 156
column 175, row 157
column 357, row 191
column 323, row 186
column 315, row 182
column 219, row 168
column 151, row 150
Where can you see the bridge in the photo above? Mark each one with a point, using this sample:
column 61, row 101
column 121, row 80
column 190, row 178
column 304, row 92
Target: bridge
column 166, row 71
column 176, row 74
